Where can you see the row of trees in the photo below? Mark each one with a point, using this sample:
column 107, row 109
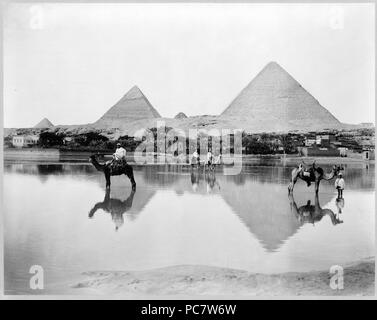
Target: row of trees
column 84, row 141
column 269, row 144
column 252, row 144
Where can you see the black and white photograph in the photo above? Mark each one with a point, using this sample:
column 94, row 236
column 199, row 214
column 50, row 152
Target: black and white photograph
column 188, row 150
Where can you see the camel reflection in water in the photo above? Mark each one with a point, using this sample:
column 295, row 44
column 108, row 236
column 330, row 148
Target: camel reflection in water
column 195, row 179
column 115, row 207
column 312, row 213
column 210, row 179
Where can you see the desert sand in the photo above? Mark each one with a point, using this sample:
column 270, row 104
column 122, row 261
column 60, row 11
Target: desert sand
column 214, row 281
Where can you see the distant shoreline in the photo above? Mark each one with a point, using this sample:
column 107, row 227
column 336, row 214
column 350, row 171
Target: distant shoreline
column 81, row 157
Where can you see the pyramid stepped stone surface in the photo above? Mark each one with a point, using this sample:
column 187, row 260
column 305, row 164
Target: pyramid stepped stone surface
column 44, row 123
column 180, row 115
column 276, row 99
column 132, row 107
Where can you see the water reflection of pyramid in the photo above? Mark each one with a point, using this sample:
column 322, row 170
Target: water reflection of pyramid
column 259, row 201
column 271, row 222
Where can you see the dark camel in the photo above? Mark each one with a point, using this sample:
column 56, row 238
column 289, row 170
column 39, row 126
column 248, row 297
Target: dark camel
column 311, row 214
column 115, row 207
column 314, row 174
column 110, row 170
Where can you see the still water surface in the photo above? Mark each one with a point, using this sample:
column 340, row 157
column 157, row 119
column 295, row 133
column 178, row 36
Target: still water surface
column 60, row 217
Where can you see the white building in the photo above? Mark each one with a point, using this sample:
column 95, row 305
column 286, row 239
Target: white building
column 25, row 141
column 310, row 141
column 343, row 151
column 67, row 139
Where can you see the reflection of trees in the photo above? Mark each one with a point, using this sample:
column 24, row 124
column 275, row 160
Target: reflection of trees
column 163, row 175
column 261, row 174
column 359, row 178
column 50, row 169
column 171, row 175
column 78, row 169
column 45, row 169
column 238, row 179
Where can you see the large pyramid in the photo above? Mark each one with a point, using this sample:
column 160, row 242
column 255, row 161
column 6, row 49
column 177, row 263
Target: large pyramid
column 276, row 100
column 44, row 123
column 133, row 106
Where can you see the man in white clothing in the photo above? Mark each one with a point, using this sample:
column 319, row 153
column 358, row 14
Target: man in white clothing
column 339, row 185
column 119, row 155
column 195, row 158
column 209, row 157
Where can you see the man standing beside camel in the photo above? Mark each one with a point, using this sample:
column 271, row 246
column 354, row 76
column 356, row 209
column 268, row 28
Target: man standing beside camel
column 314, row 174
column 339, row 185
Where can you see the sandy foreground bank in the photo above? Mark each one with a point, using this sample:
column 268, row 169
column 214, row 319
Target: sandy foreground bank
column 205, row 280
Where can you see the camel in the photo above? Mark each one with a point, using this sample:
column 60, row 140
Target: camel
column 311, row 214
column 115, row 207
column 314, row 174
column 110, row 170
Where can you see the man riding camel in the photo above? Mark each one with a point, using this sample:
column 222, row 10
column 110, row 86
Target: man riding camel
column 195, row 159
column 209, row 157
column 119, row 155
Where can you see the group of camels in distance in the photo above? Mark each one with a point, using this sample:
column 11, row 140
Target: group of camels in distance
column 309, row 174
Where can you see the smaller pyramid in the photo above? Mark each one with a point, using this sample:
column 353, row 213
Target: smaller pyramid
column 44, row 123
column 180, row 115
column 131, row 107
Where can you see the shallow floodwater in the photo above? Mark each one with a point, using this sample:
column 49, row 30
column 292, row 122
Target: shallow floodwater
column 60, row 217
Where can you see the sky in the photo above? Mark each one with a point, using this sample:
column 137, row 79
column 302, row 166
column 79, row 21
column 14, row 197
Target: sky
column 72, row 62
